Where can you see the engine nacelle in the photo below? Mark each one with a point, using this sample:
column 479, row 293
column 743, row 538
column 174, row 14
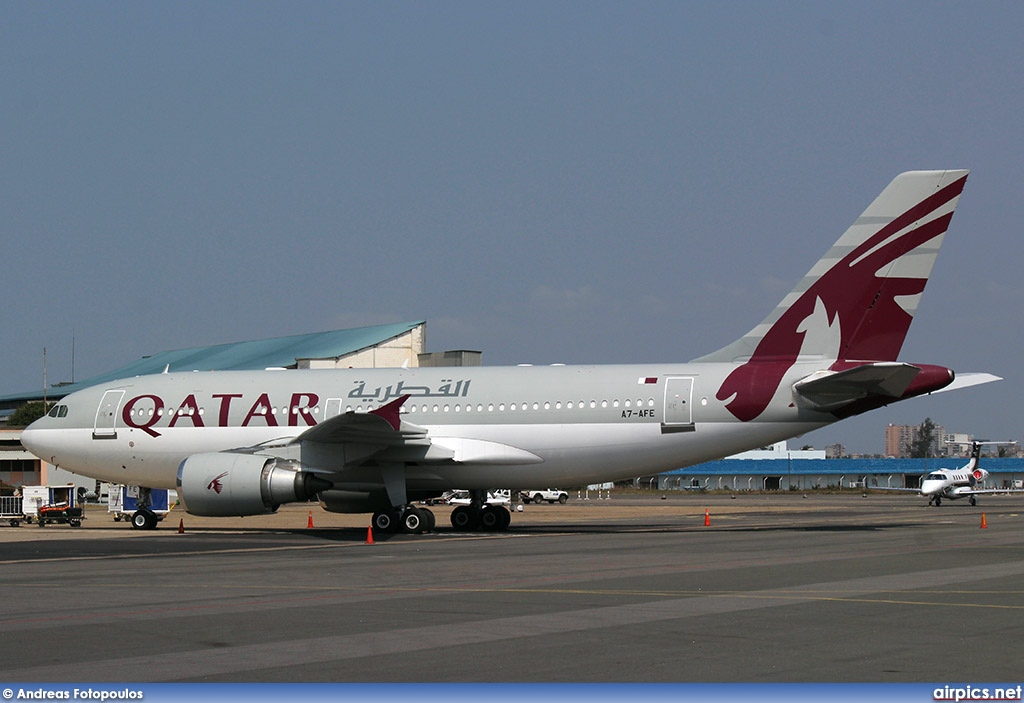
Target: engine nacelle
column 226, row 484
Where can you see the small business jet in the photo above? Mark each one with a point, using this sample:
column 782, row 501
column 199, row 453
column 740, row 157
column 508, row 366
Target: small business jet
column 960, row 483
column 379, row 440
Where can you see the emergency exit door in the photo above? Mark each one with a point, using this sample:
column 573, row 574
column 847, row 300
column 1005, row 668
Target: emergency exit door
column 106, row 416
column 678, row 401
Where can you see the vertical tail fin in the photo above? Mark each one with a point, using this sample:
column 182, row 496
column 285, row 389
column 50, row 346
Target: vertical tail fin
column 858, row 301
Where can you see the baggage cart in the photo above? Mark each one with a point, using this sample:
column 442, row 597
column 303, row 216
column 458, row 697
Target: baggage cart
column 10, row 510
column 52, row 505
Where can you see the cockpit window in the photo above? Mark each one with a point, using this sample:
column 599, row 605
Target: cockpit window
column 58, row 411
column 935, row 477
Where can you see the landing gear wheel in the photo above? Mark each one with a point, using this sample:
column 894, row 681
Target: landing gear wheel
column 414, row 521
column 144, row 520
column 465, row 518
column 494, row 518
column 974, row 501
column 384, row 521
column 430, row 518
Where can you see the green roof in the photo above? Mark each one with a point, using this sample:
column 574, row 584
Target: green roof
column 241, row 356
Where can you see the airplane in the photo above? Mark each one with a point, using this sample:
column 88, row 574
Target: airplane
column 378, row 441
column 962, row 482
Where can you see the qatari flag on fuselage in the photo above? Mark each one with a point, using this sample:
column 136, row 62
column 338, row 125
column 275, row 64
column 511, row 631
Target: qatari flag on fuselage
column 647, row 380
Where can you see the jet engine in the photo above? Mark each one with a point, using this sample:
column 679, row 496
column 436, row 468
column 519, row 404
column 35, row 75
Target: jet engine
column 230, row 484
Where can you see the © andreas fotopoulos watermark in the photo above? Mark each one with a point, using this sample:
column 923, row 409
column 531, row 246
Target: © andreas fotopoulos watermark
column 72, row 694
column 978, row 693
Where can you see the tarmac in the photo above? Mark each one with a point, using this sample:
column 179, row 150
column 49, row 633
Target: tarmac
column 774, row 588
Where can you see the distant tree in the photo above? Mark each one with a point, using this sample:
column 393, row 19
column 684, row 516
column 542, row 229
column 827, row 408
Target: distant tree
column 923, row 441
column 28, row 413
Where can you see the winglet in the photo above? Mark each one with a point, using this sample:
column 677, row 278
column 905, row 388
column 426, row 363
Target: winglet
column 391, row 411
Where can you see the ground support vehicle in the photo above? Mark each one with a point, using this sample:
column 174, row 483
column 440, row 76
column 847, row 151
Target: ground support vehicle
column 551, row 495
column 460, row 497
column 123, row 501
column 60, row 513
column 52, row 504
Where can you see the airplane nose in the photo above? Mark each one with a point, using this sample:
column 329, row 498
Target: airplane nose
column 30, row 439
column 33, row 438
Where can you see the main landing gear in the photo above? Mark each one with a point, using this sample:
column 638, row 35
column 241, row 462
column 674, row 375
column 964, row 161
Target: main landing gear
column 412, row 519
column 489, row 518
column 409, row 519
column 481, row 515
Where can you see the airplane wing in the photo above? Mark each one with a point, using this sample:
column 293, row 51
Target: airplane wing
column 831, row 390
column 382, row 426
column 979, row 491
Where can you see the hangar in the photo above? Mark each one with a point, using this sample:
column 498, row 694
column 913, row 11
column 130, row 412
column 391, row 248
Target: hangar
column 378, row 346
column 780, row 469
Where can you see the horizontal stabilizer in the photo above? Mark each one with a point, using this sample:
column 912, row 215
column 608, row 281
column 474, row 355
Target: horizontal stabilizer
column 966, row 380
column 831, row 390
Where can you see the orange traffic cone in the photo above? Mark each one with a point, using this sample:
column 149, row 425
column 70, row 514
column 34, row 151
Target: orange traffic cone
column 309, row 525
column 181, row 526
column 369, row 534
column 707, row 518
column 984, row 524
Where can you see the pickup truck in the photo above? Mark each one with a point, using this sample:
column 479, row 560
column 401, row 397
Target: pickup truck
column 550, row 495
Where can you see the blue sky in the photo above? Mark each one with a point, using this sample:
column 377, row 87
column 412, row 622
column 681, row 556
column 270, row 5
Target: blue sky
column 573, row 182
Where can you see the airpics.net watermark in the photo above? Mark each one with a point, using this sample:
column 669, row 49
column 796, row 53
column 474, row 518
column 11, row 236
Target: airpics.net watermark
column 978, row 693
column 71, row 694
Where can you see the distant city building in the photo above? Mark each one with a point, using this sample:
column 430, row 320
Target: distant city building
column 957, row 443
column 835, row 451
column 900, row 438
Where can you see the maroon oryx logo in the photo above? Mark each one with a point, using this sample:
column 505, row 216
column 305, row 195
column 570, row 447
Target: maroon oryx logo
column 215, row 484
column 871, row 320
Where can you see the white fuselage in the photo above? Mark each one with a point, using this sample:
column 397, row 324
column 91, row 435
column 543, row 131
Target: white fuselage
column 951, row 484
column 585, row 423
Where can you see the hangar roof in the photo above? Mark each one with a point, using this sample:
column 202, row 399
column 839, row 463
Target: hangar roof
column 240, row 356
